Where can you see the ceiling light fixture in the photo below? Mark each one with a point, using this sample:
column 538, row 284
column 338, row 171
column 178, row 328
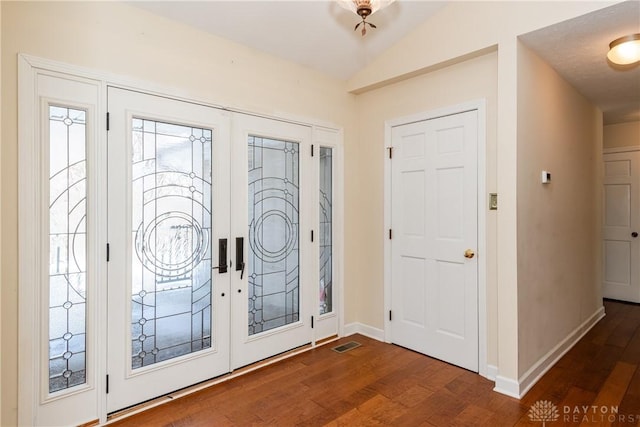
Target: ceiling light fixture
column 625, row 50
column 364, row 8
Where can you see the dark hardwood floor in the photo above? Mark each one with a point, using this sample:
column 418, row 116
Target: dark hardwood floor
column 382, row 384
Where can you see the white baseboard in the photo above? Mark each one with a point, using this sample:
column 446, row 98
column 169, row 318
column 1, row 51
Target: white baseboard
column 519, row 388
column 492, row 372
column 529, row 378
column 362, row 329
column 507, row 386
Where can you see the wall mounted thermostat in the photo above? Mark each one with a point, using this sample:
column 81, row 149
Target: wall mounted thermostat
column 546, row 177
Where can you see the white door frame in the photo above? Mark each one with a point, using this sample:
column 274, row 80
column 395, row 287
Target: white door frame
column 29, row 67
column 621, row 149
column 480, row 106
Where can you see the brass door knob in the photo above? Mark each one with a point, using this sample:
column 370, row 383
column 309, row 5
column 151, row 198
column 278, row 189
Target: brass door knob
column 469, row 253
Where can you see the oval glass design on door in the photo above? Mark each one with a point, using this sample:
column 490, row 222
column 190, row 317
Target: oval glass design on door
column 273, row 265
column 171, row 235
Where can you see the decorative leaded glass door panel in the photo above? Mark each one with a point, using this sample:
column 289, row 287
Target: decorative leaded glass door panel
column 169, row 219
column 273, row 294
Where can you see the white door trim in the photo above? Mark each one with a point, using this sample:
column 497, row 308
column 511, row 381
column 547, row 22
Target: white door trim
column 480, row 106
column 621, row 149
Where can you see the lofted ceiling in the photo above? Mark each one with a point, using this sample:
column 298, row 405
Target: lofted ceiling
column 319, row 34
column 315, row 33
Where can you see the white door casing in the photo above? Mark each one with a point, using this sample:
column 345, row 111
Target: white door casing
column 434, row 218
column 621, row 225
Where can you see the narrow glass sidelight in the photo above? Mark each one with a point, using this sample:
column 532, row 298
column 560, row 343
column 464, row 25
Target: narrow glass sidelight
column 171, row 235
column 273, row 264
column 67, row 248
column 326, row 241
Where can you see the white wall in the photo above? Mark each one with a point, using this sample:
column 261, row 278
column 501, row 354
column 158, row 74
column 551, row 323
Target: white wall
column 622, row 135
column 122, row 39
column 559, row 224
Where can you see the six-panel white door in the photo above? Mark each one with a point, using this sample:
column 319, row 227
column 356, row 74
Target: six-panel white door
column 434, row 216
column 621, row 217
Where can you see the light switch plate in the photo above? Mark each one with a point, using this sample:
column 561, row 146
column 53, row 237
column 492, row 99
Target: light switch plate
column 545, row 177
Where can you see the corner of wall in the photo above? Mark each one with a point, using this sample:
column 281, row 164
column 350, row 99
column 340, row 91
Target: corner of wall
column 559, row 295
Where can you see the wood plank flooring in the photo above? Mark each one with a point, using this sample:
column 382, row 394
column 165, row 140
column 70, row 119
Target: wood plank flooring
column 379, row 384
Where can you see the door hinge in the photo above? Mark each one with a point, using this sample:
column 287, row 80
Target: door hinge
column 107, row 121
column 312, row 236
column 108, row 252
column 390, row 152
column 390, row 234
column 390, row 316
column 107, row 384
column 311, row 150
column 311, row 322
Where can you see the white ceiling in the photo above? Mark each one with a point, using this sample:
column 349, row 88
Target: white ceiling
column 577, row 50
column 319, row 34
column 315, row 33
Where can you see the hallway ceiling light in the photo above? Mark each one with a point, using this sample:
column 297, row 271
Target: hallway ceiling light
column 364, row 8
column 625, row 50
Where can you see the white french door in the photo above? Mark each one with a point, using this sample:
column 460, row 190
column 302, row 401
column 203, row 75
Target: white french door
column 189, row 299
column 434, row 216
column 168, row 221
column 273, row 299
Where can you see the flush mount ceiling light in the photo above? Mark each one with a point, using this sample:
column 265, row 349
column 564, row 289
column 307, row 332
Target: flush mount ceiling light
column 625, row 50
column 364, row 8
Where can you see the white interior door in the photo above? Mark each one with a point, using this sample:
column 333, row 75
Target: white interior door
column 273, row 292
column 168, row 200
column 434, row 218
column 621, row 245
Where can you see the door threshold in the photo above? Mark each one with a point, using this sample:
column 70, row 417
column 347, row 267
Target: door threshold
column 136, row 409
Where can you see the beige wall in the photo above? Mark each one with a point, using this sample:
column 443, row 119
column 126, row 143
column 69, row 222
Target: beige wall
column 469, row 80
column 125, row 40
column 456, row 32
column 622, row 135
column 559, row 259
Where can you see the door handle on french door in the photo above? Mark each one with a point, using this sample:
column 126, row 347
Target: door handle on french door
column 240, row 255
column 222, row 256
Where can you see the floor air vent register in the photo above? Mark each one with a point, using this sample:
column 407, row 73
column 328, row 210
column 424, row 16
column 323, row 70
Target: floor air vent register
column 346, row 346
